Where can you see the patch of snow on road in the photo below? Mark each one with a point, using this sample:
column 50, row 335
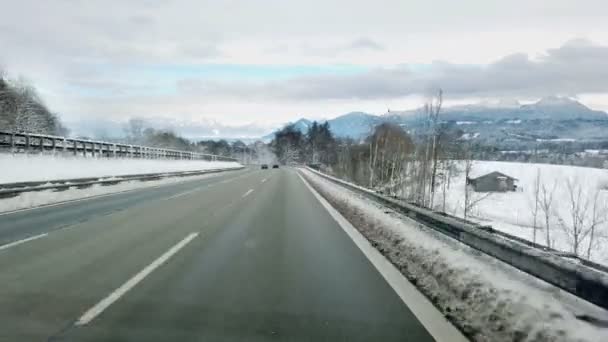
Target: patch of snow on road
column 24, row 168
column 487, row 299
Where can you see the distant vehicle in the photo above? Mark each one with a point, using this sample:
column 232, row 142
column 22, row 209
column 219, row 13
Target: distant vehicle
column 264, row 166
column 275, row 166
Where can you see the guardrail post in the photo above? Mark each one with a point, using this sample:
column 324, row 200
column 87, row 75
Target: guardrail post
column 27, row 143
column 113, row 151
column 41, row 143
column 53, row 144
column 93, row 149
column 75, row 147
column 13, row 143
column 64, row 145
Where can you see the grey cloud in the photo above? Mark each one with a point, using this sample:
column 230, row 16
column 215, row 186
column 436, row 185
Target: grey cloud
column 357, row 45
column 574, row 68
column 201, row 50
column 365, row 44
column 141, row 20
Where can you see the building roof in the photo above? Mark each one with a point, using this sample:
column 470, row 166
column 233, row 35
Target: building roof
column 495, row 174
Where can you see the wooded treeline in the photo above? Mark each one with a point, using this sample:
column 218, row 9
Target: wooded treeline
column 414, row 165
column 22, row 110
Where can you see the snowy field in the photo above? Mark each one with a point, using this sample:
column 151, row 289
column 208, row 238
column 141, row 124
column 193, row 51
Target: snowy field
column 22, row 168
column 486, row 298
column 513, row 212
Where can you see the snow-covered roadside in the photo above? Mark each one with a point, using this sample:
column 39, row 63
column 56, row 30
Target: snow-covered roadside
column 30, row 168
column 487, row 299
column 40, row 198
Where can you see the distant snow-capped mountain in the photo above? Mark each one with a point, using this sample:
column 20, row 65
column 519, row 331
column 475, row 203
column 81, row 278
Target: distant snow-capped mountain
column 495, row 115
column 553, row 114
column 547, row 108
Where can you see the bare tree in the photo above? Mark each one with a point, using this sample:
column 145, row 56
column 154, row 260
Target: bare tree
column 535, row 205
column 576, row 226
column 448, row 170
column 135, row 130
column 546, row 206
column 434, row 110
column 599, row 216
column 470, row 199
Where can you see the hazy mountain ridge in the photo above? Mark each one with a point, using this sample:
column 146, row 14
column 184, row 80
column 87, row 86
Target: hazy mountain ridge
column 491, row 122
column 550, row 118
column 193, row 130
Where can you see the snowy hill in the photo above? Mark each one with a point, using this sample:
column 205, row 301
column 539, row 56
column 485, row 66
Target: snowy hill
column 353, row 125
column 560, row 108
column 547, row 108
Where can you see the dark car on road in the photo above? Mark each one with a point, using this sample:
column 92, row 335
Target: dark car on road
column 264, row 166
column 275, row 166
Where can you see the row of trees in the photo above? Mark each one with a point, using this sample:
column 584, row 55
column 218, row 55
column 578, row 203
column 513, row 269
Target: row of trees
column 316, row 146
column 391, row 160
column 418, row 166
column 579, row 215
column 136, row 131
column 22, row 110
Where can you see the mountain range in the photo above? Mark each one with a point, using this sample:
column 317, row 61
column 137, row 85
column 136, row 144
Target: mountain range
column 549, row 119
column 500, row 123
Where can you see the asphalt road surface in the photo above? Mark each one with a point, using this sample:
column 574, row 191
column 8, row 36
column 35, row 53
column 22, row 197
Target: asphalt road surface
column 242, row 256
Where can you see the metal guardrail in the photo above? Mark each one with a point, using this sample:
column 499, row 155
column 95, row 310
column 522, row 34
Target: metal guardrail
column 577, row 276
column 13, row 189
column 25, row 142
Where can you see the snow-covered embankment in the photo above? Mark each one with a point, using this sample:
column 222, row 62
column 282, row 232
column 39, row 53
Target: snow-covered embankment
column 22, row 168
column 28, row 168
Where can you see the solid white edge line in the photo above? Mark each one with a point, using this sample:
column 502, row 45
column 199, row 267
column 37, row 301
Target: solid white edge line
column 432, row 319
column 18, row 242
column 247, row 193
column 96, row 310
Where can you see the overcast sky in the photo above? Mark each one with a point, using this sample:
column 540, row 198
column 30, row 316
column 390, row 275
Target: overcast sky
column 267, row 62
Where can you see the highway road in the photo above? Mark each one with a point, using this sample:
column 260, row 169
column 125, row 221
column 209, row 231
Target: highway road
column 246, row 255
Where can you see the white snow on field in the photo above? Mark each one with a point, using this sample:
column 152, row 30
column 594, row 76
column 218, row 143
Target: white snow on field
column 512, row 211
column 23, row 168
column 488, row 299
